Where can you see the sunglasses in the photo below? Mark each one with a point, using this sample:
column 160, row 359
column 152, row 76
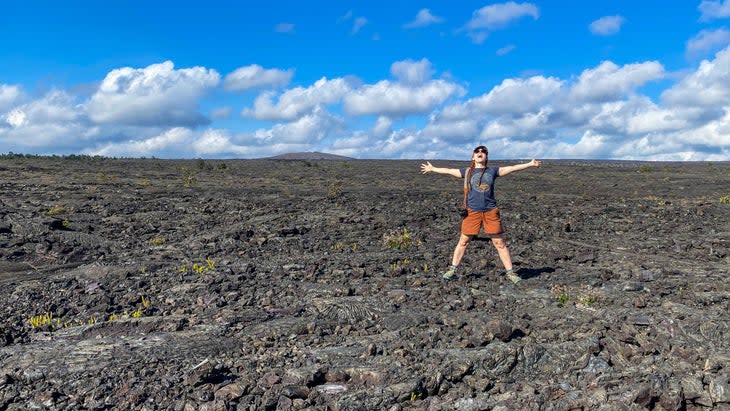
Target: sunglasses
column 481, row 150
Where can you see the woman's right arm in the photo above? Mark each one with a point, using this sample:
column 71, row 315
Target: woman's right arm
column 428, row 168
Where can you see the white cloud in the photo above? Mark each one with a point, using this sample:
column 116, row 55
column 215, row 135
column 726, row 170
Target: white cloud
column 358, row 24
column 55, row 107
column 714, row 9
column 216, row 142
column 707, row 41
column 517, row 95
column 412, row 72
column 496, row 17
column 607, row 25
column 9, row 96
column 52, row 122
column 383, row 126
column 298, row 101
column 452, row 130
column 505, row 50
column 590, row 145
column 255, row 76
column 395, row 99
column 221, row 113
column 284, row 28
column 423, row 18
column 532, row 125
column 157, row 95
column 305, row 130
column 173, row 140
column 609, row 81
column 708, row 86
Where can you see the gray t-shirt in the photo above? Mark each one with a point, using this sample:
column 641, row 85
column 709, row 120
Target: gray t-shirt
column 481, row 188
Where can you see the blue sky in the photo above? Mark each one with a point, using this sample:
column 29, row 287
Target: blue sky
column 398, row 80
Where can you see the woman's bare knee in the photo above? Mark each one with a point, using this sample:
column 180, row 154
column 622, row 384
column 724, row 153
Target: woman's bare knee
column 499, row 243
column 464, row 240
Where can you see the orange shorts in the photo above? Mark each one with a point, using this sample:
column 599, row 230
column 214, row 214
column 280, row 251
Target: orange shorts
column 490, row 220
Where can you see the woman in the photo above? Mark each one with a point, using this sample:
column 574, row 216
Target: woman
column 481, row 206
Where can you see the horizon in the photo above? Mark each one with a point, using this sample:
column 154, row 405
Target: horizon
column 282, row 157
column 625, row 81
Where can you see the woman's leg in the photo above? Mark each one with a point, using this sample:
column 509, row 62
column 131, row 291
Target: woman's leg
column 503, row 251
column 460, row 249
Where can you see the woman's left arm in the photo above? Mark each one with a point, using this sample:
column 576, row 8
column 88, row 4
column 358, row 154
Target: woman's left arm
column 503, row 171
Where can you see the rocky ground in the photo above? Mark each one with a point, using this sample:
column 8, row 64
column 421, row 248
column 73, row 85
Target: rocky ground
column 314, row 285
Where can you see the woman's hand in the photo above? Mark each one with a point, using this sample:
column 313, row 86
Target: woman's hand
column 535, row 163
column 427, row 168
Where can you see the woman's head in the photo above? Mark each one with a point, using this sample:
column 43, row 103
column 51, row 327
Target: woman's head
column 480, row 155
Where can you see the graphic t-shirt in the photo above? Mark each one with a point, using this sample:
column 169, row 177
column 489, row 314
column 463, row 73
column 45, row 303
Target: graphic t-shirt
column 481, row 188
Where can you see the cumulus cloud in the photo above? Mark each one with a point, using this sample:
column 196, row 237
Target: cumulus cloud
column 383, row 126
column 708, row 86
column 451, row 130
column 54, row 120
column 708, row 40
column 423, row 18
column 517, row 95
column 609, row 81
column 309, row 128
column 395, row 99
column 412, row 72
column 530, row 125
column 255, row 76
column 9, row 96
column 157, row 95
column 174, row 140
column 607, row 25
column 55, row 107
column 714, row 9
column 298, row 101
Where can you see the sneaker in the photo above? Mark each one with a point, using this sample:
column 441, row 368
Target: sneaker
column 450, row 273
column 512, row 276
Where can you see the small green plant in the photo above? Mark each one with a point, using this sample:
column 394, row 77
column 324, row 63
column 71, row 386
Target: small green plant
column 398, row 240
column 334, row 191
column 645, row 168
column 187, row 177
column 56, row 210
column 725, row 199
column 201, row 268
column 560, row 292
column 144, row 182
column 157, row 241
column 400, row 266
column 41, row 320
column 588, row 296
column 563, row 299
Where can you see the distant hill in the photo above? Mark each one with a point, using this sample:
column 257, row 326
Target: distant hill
column 309, row 155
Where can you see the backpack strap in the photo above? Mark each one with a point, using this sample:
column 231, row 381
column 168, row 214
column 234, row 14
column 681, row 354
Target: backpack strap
column 466, row 186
